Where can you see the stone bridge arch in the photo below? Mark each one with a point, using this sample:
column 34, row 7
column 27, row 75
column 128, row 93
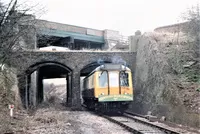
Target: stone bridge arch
column 75, row 61
column 37, row 65
column 32, row 93
column 91, row 66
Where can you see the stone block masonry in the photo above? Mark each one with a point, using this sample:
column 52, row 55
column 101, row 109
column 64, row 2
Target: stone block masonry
column 26, row 63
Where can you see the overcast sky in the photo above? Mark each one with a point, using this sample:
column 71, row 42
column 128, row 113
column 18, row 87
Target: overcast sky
column 126, row 16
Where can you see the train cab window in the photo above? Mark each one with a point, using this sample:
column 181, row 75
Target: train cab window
column 124, row 79
column 92, row 81
column 113, row 79
column 103, row 79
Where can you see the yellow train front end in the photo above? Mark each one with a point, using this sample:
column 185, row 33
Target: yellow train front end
column 109, row 88
column 113, row 88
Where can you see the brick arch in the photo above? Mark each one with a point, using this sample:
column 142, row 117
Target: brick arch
column 37, row 65
column 96, row 63
column 91, row 66
column 30, row 96
column 94, row 60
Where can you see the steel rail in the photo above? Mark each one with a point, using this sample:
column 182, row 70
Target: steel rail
column 166, row 130
column 128, row 128
column 122, row 124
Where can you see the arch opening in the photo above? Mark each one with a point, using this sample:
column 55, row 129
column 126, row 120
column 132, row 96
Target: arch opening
column 47, row 82
column 90, row 67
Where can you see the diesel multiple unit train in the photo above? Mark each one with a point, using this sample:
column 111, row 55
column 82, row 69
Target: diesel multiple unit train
column 108, row 88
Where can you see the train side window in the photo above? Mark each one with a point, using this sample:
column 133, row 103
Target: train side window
column 103, row 79
column 87, row 83
column 124, row 79
column 92, row 82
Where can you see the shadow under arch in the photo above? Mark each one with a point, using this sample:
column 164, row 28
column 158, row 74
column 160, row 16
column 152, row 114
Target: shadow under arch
column 37, row 65
column 30, row 96
column 91, row 66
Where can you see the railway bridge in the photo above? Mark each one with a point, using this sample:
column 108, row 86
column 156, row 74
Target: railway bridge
column 33, row 66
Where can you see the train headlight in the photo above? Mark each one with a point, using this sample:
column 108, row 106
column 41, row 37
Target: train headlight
column 123, row 68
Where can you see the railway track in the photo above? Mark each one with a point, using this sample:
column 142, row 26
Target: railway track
column 135, row 125
column 147, row 123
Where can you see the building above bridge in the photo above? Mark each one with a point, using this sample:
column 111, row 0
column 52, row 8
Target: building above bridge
column 46, row 33
column 73, row 37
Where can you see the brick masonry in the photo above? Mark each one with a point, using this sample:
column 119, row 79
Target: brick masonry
column 24, row 62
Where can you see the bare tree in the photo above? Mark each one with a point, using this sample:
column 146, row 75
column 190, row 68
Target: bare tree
column 193, row 27
column 14, row 24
